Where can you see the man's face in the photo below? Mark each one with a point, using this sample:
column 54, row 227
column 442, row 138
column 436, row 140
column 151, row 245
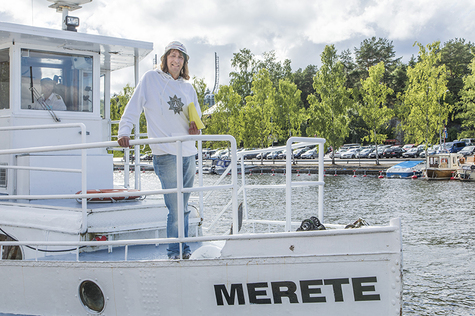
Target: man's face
column 47, row 88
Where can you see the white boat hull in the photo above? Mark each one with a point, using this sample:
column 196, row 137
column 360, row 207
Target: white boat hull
column 333, row 272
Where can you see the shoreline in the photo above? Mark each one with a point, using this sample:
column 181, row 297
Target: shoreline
column 301, row 167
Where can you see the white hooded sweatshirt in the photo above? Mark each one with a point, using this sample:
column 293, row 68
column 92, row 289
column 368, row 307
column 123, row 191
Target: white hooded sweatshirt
column 165, row 102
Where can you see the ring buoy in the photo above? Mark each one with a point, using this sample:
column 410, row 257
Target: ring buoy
column 462, row 160
column 111, row 198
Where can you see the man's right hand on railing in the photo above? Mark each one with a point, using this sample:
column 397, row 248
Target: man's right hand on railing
column 124, row 141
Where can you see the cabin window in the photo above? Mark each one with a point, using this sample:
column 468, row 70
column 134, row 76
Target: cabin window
column 3, row 176
column 55, row 81
column 4, row 79
column 103, row 98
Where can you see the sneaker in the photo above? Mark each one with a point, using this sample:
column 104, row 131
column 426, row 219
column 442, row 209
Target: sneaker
column 177, row 257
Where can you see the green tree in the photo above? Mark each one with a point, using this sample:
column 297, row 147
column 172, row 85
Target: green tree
column 118, row 104
column 277, row 70
column 226, row 119
column 350, row 69
column 456, row 56
column 423, row 113
column 117, row 107
column 467, row 104
column 304, row 81
column 200, row 88
column 241, row 79
column 288, row 113
column 374, row 111
column 257, row 113
column 328, row 111
column 371, row 52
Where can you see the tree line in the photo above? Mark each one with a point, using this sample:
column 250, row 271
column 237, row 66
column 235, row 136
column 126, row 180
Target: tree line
column 365, row 96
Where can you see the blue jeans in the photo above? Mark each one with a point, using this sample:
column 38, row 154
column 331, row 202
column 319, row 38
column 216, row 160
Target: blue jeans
column 165, row 168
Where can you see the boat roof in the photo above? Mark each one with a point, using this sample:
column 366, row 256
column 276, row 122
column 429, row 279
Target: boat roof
column 408, row 164
column 116, row 53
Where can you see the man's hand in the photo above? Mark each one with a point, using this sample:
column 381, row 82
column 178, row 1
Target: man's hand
column 124, row 141
column 193, row 130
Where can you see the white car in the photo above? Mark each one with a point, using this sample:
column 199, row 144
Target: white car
column 350, row 154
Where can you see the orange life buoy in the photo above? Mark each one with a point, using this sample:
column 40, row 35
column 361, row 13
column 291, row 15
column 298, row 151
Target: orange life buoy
column 110, row 198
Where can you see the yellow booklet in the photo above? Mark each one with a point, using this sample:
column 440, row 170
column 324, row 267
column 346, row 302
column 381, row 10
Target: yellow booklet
column 194, row 117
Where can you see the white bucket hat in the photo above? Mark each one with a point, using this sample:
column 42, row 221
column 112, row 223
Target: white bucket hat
column 178, row 46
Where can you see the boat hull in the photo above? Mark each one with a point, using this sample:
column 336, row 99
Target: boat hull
column 333, row 272
column 439, row 174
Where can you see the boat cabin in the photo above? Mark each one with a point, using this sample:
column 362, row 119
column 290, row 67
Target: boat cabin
column 49, row 77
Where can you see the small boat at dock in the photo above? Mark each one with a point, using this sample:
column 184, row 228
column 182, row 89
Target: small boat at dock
column 442, row 166
column 406, row 169
column 466, row 169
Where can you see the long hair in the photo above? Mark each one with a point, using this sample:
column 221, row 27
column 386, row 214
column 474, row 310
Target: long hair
column 184, row 72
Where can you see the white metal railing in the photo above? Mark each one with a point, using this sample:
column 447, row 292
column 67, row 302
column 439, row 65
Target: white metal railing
column 200, row 189
column 287, row 186
column 85, row 196
column 75, row 246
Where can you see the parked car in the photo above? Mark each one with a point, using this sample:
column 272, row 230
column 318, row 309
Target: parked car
column 380, row 152
column 262, row 155
column 350, row 154
column 468, row 141
column 273, row 155
column 146, row 157
column 340, row 151
column 467, row 151
column 365, row 153
column 299, row 151
column 310, row 154
column 413, row 152
column 408, row 146
column 219, row 153
column 430, row 151
column 393, row 152
column 249, row 155
column 456, row 146
column 282, row 155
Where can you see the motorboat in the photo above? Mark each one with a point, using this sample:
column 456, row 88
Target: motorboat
column 73, row 243
column 220, row 166
column 406, row 169
column 466, row 169
column 442, row 166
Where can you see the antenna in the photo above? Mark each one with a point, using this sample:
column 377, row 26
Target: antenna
column 69, row 23
column 216, row 73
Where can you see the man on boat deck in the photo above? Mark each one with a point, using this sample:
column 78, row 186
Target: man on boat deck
column 164, row 96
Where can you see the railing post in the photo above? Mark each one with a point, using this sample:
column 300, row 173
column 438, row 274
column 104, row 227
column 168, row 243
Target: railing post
column 200, row 177
column 84, row 179
column 235, row 187
column 179, row 195
column 321, row 166
column 288, row 186
column 126, row 168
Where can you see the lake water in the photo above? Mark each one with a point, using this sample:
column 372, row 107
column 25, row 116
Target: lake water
column 438, row 227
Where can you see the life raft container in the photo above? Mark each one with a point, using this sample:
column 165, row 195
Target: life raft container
column 111, row 198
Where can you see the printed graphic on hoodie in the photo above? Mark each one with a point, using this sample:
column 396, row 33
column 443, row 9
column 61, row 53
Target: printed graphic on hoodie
column 175, row 104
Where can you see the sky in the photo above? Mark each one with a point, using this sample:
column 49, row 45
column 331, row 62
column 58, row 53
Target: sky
column 297, row 30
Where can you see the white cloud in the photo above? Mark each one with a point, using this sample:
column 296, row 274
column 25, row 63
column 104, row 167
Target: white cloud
column 297, row 30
